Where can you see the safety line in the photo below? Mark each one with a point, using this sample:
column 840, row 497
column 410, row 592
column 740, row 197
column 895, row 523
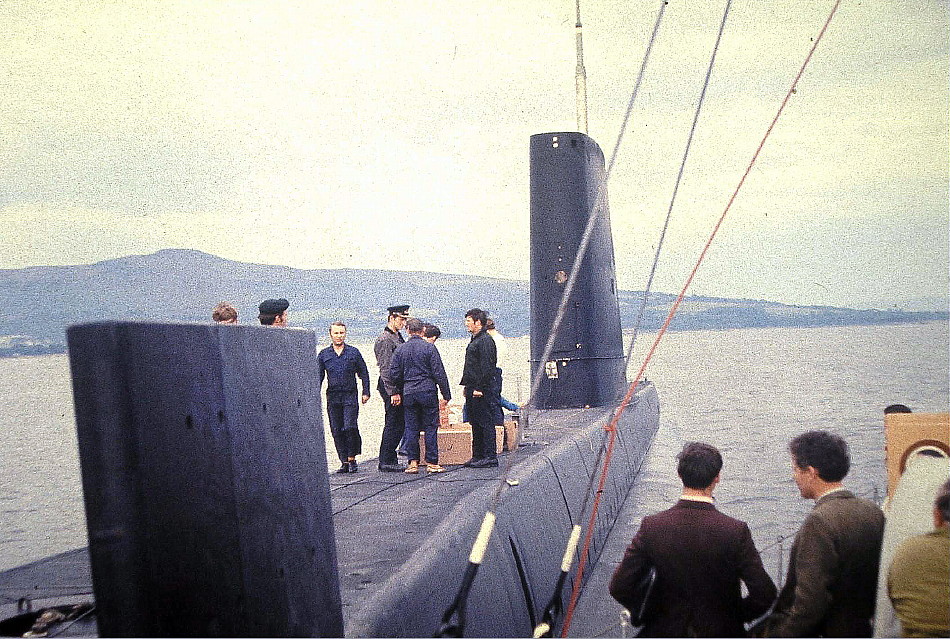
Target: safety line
column 555, row 598
column 457, row 609
column 612, row 427
column 546, row 626
column 676, row 187
column 599, row 205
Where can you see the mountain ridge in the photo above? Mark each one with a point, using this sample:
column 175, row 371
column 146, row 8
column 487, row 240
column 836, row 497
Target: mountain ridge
column 182, row 285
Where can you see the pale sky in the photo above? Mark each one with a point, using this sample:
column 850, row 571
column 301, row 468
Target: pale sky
column 395, row 135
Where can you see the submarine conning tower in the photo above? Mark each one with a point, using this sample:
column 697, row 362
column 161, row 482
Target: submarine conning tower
column 586, row 366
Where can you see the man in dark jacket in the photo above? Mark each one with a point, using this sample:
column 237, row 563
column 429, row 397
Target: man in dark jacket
column 395, row 422
column 478, row 374
column 417, row 374
column 832, row 571
column 700, row 557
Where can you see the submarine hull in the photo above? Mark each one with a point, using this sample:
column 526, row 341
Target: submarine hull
column 534, row 520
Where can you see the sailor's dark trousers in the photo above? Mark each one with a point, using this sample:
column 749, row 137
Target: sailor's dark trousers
column 498, row 417
column 422, row 414
column 343, row 410
column 481, row 418
column 393, row 429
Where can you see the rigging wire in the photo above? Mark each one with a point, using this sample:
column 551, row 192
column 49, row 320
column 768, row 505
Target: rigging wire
column 554, row 604
column 545, row 627
column 457, row 608
column 626, row 400
column 599, row 205
column 676, row 187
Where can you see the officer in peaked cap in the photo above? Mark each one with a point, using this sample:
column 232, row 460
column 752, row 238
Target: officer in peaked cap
column 273, row 312
column 395, row 424
column 401, row 310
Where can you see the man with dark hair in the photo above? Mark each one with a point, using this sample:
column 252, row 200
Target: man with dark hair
column 478, row 374
column 832, row 571
column 343, row 364
column 700, row 555
column 918, row 581
column 224, row 313
column 273, row 312
column 395, row 422
column 430, row 333
column 417, row 374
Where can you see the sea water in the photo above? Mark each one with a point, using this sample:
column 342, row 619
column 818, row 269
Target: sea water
column 745, row 391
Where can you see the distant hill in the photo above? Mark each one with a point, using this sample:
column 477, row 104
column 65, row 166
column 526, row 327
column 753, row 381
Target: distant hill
column 38, row 303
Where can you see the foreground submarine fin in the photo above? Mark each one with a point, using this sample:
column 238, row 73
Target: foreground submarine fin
column 205, row 480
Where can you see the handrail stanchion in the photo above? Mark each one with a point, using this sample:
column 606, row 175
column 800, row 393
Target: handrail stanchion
column 781, row 560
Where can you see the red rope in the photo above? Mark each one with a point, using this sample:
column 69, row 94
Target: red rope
column 612, row 426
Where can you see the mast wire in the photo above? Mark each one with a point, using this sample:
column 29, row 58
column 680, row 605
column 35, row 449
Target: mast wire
column 457, row 608
column 598, row 208
column 676, row 187
column 553, row 606
column 626, row 400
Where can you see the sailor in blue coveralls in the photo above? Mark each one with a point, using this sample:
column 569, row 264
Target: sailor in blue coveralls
column 342, row 364
column 417, row 374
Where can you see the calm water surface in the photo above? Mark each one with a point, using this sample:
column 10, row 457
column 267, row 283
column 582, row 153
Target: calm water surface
column 746, row 391
column 749, row 391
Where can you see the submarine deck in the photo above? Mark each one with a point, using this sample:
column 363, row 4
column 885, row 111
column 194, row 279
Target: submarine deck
column 380, row 520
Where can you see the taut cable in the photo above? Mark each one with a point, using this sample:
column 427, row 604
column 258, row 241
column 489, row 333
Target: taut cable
column 626, row 400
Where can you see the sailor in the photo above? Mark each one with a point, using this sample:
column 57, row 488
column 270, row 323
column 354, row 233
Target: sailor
column 832, row 571
column 502, row 348
column 395, row 424
column 431, row 332
column 273, row 312
column 478, row 374
column 343, row 364
column 417, row 373
column 224, row 313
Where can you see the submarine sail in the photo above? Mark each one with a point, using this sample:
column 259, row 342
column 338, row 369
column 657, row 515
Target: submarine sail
column 586, row 366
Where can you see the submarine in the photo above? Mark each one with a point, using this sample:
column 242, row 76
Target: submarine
column 211, row 512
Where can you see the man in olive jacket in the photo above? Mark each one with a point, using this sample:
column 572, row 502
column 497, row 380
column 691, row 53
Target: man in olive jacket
column 700, row 555
column 918, row 581
column 832, row 572
column 478, row 374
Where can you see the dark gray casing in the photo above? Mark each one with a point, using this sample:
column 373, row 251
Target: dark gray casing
column 567, row 172
column 204, row 477
column 534, row 520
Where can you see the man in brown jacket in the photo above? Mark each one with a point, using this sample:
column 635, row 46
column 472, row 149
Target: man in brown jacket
column 832, row 572
column 700, row 556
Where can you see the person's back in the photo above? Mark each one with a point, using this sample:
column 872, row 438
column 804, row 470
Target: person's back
column 416, row 372
column 700, row 556
column 832, row 570
column 417, row 367
column 919, row 584
column 836, row 554
column 918, row 581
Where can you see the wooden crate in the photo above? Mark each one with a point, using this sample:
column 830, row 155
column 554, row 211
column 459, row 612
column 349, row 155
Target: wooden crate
column 455, row 443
